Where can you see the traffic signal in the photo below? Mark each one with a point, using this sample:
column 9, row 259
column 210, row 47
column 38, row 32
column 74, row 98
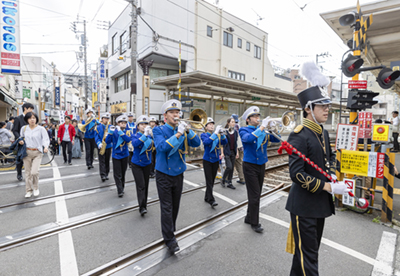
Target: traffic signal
column 361, row 100
column 351, row 65
column 387, row 77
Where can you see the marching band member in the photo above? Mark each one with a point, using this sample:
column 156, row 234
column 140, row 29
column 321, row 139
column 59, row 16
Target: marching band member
column 141, row 161
column 131, row 126
column 170, row 141
column 310, row 199
column 230, row 153
column 239, row 159
column 120, row 137
column 255, row 141
column 153, row 124
column 90, row 143
column 213, row 143
column 104, row 149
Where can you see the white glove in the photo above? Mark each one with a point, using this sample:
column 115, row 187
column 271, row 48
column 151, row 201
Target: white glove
column 339, row 188
column 222, row 131
column 100, row 146
column 182, row 127
column 266, row 121
column 333, row 176
column 217, row 130
column 147, row 131
column 118, row 128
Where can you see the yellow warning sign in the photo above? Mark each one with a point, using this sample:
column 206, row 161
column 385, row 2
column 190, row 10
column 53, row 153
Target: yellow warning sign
column 380, row 133
column 354, row 162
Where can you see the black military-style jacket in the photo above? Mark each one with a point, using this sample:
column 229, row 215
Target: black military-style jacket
column 307, row 197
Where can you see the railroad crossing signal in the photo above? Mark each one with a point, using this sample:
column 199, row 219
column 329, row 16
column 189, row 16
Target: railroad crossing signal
column 361, row 99
column 351, row 65
column 387, row 77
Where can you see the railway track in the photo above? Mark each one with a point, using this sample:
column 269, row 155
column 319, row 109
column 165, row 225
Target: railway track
column 51, row 229
column 121, row 264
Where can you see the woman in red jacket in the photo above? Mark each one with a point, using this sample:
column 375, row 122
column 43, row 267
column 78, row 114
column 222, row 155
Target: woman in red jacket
column 66, row 137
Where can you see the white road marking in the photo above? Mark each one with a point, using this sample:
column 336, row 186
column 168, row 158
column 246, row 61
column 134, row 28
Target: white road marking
column 190, row 165
column 385, row 256
column 227, row 199
column 330, row 243
column 191, row 183
column 68, row 264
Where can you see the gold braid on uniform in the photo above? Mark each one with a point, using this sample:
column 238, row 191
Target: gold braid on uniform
column 219, row 145
column 149, row 149
column 266, row 139
column 304, row 181
column 181, row 152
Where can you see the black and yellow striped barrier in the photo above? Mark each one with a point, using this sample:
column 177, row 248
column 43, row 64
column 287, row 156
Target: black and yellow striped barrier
column 387, row 193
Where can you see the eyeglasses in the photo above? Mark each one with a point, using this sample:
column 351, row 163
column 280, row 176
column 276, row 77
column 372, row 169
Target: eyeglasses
column 325, row 106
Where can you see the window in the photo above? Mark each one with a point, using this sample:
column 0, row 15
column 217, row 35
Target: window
column 158, row 73
column 257, row 52
column 239, row 43
column 209, row 31
column 114, row 44
column 236, row 75
column 228, row 39
column 248, row 46
column 123, row 42
column 122, row 82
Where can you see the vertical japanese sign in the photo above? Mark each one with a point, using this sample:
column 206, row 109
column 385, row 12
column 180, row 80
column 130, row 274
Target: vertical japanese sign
column 18, row 87
column 102, row 94
column 62, row 116
column 347, row 199
column 365, row 124
column 347, row 137
column 57, row 96
column 94, row 81
column 102, row 69
column 102, row 81
column 10, row 41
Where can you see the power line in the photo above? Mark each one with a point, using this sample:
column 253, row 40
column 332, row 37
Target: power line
column 45, row 9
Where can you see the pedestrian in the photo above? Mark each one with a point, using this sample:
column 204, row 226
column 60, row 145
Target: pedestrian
column 169, row 140
column 310, row 197
column 104, row 148
column 141, row 160
column 120, row 137
column 153, row 124
column 19, row 122
column 37, row 142
column 54, row 140
column 10, row 123
column 255, row 142
column 66, row 137
column 90, row 143
column 230, row 153
column 395, row 121
column 5, row 135
column 239, row 159
column 76, row 148
column 213, row 141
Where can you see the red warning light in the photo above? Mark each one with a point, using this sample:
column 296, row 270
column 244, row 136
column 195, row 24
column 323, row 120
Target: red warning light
column 380, row 130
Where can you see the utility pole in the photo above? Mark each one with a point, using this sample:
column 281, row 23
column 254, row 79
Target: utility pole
column 133, row 53
column 85, row 58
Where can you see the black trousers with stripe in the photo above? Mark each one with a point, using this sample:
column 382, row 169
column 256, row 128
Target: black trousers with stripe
column 254, row 176
column 104, row 163
column 141, row 175
column 307, row 234
column 210, row 172
column 119, row 169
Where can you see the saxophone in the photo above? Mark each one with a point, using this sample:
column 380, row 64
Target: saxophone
column 103, row 148
column 82, row 128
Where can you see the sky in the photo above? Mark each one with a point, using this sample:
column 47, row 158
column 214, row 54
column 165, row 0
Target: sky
column 295, row 35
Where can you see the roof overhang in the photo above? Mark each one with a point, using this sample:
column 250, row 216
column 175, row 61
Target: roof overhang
column 383, row 34
column 207, row 84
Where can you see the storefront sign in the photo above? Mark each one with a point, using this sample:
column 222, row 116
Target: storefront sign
column 362, row 163
column 26, row 93
column 18, row 87
column 102, row 92
column 102, row 69
column 347, row 137
column 58, row 96
column 221, row 108
column 94, row 81
column 10, row 40
column 119, row 108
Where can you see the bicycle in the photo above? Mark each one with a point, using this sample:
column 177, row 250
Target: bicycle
column 8, row 158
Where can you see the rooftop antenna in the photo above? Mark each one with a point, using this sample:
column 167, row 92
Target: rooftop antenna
column 259, row 17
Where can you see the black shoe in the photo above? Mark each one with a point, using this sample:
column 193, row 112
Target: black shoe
column 19, row 177
column 143, row 211
column 121, row 194
column 213, row 204
column 69, row 163
column 173, row 248
column 223, row 183
column 241, row 182
column 257, row 228
column 231, row 186
column 103, row 179
column 107, row 178
column 89, row 167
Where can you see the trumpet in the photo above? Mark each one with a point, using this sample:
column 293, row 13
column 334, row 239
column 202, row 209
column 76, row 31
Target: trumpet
column 287, row 122
column 197, row 119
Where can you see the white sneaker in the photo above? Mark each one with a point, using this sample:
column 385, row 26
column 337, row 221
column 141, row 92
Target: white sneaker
column 28, row 194
column 36, row 192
